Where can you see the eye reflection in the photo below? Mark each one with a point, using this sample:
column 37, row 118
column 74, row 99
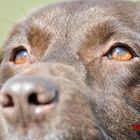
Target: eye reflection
column 21, row 56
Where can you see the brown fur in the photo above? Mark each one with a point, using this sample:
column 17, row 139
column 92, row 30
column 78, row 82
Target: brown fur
column 98, row 98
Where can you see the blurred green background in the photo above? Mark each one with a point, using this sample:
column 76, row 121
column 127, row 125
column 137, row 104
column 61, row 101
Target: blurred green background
column 13, row 10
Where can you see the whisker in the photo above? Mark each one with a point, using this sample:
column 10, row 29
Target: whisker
column 104, row 134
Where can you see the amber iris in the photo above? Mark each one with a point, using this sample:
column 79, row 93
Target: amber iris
column 21, row 56
column 120, row 54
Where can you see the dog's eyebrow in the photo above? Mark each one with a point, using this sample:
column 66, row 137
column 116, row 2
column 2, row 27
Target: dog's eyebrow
column 99, row 34
column 38, row 39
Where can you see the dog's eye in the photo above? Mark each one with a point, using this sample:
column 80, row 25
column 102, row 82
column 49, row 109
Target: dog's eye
column 21, row 56
column 120, row 53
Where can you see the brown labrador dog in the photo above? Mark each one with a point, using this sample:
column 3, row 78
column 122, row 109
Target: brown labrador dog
column 71, row 71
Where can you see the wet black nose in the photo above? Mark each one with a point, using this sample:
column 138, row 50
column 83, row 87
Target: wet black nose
column 28, row 97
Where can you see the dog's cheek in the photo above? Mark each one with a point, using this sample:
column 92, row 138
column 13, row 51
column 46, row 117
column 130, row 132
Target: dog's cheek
column 5, row 73
column 132, row 94
column 110, row 85
column 9, row 69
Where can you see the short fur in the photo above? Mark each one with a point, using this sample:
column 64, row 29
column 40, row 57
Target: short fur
column 68, row 42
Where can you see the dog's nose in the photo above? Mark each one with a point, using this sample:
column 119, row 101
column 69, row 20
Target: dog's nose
column 28, row 97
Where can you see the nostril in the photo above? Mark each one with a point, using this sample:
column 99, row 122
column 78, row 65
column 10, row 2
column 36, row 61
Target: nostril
column 7, row 101
column 33, row 99
column 39, row 99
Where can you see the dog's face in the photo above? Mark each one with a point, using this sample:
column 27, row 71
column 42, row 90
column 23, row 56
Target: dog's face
column 71, row 71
